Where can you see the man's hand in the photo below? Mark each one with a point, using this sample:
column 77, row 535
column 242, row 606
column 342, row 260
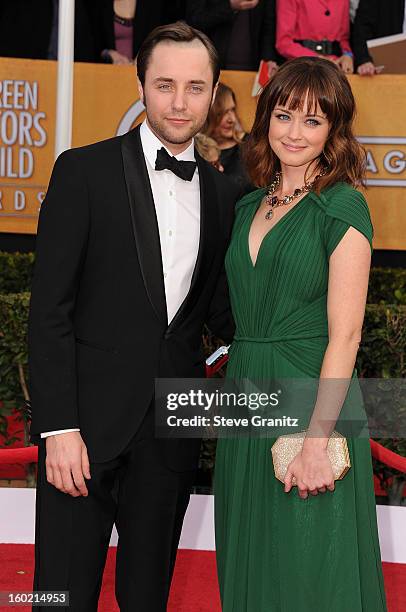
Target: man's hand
column 366, row 69
column 346, row 63
column 243, row 5
column 67, row 463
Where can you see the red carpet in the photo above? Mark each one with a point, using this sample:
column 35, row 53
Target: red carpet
column 194, row 587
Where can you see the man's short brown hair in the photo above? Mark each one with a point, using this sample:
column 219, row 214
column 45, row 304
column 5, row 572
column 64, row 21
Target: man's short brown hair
column 179, row 32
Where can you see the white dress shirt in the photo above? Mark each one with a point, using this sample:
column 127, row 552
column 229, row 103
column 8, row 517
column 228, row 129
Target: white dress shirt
column 177, row 207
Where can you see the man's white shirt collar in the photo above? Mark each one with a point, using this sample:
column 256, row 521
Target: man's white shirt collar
column 151, row 145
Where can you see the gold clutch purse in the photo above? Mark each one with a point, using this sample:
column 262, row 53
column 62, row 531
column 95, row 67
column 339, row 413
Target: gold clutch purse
column 285, row 449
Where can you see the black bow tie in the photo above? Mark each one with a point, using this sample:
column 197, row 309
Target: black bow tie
column 183, row 169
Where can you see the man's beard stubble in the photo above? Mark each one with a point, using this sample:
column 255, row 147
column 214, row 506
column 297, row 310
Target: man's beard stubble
column 160, row 130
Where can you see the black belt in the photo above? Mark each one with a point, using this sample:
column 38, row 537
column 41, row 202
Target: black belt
column 324, row 47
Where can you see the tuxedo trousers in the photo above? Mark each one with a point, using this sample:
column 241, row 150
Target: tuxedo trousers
column 147, row 502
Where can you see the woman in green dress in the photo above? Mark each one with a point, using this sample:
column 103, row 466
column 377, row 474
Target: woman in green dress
column 298, row 271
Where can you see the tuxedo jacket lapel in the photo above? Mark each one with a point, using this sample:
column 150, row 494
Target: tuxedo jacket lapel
column 209, row 221
column 144, row 221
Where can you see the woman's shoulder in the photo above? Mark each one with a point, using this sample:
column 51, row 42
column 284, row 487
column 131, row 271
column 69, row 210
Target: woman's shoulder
column 251, row 197
column 344, row 206
column 343, row 201
column 342, row 191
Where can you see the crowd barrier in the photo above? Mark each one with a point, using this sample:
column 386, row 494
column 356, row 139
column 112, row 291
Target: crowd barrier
column 29, row 454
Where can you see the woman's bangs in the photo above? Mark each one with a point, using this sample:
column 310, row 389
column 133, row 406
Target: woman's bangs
column 313, row 94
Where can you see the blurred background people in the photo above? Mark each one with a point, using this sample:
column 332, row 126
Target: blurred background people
column 224, row 126
column 29, row 29
column 120, row 26
column 208, row 149
column 315, row 28
column 374, row 19
column 243, row 31
column 105, row 30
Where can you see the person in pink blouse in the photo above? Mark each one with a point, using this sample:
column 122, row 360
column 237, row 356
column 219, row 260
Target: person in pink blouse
column 315, row 28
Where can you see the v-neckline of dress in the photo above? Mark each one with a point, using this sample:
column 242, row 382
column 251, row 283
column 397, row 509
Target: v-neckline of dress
column 270, row 231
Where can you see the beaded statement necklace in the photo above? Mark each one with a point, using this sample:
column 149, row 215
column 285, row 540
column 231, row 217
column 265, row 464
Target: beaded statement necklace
column 273, row 201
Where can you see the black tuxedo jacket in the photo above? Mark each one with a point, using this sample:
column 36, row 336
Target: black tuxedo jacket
column 98, row 332
column 375, row 18
column 216, row 17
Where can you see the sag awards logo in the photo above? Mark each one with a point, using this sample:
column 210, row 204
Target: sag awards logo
column 385, row 156
column 21, row 134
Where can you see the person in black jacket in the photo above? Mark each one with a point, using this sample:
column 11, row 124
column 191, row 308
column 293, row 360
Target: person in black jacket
column 374, row 19
column 29, row 29
column 129, row 267
column 242, row 30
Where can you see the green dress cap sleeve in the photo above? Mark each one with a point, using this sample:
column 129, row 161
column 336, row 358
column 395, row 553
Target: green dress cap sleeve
column 344, row 207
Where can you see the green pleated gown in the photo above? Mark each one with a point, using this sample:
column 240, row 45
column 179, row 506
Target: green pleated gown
column 275, row 551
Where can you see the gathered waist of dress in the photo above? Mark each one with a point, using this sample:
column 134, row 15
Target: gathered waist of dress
column 281, row 338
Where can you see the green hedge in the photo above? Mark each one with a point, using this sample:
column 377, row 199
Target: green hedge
column 382, row 350
column 387, row 286
column 16, row 271
column 13, row 356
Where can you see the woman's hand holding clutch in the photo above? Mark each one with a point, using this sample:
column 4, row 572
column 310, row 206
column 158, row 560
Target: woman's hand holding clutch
column 311, row 470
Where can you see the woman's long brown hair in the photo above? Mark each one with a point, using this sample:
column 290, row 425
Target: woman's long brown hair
column 321, row 82
column 217, row 111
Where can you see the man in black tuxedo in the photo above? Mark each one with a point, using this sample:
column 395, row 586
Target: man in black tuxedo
column 129, row 266
column 374, row 19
